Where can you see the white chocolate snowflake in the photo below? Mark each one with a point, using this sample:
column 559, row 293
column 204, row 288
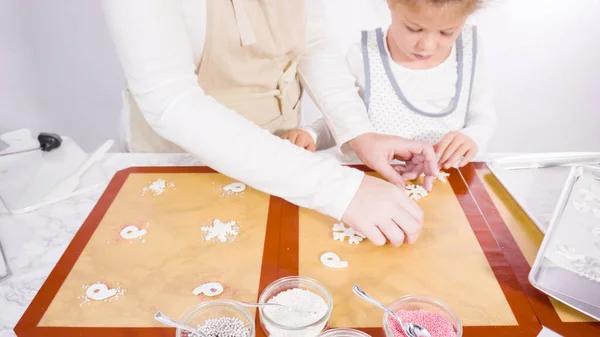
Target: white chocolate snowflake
column 588, row 268
column 582, row 206
column 443, row 176
column 415, row 192
column 158, row 187
column 340, row 232
column 585, row 266
column 595, row 231
column 596, row 212
column 223, row 231
column 569, row 253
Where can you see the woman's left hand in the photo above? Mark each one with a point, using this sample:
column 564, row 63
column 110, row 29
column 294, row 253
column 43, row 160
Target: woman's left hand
column 455, row 147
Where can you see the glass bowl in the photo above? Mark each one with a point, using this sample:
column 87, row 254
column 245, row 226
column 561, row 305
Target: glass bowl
column 215, row 309
column 343, row 332
column 277, row 329
column 419, row 302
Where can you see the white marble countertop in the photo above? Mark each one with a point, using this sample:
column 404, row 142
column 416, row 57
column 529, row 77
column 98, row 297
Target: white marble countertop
column 34, row 242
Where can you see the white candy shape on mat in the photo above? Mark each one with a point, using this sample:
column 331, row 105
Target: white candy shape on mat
column 132, row 232
column 100, row 292
column 235, row 187
column 596, row 212
column 223, row 231
column 340, row 232
column 209, row 289
column 415, row 192
column 595, row 231
column 443, row 176
column 582, row 206
column 331, row 260
column 158, row 187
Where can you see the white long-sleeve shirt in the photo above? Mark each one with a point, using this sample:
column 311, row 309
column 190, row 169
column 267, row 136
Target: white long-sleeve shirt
column 160, row 43
column 428, row 90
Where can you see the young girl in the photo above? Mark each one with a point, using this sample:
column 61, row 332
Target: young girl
column 423, row 79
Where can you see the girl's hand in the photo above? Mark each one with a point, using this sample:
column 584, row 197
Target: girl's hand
column 300, row 138
column 452, row 147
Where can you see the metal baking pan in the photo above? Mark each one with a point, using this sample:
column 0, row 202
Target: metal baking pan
column 551, row 159
column 536, row 181
column 567, row 266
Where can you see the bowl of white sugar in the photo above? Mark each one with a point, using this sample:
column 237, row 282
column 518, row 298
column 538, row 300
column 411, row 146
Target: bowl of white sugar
column 305, row 311
column 220, row 317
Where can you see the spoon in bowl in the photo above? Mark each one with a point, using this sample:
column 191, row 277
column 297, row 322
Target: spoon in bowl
column 262, row 305
column 159, row 316
column 410, row 329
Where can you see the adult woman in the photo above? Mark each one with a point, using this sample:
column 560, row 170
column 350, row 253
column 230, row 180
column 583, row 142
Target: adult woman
column 205, row 75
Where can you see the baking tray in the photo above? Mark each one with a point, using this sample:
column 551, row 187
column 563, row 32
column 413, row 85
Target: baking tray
column 567, row 266
column 550, row 159
column 535, row 181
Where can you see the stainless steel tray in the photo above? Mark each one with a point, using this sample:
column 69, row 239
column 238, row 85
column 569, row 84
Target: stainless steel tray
column 536, row 181
column 551, row 159
column 567, row 266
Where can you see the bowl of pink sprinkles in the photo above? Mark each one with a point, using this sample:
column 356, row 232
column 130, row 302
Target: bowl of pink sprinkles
column 428, row 312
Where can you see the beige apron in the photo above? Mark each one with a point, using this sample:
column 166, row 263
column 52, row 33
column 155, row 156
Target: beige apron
column 249, row 64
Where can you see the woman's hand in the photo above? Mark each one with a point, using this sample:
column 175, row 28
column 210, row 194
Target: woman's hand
column 377, row 152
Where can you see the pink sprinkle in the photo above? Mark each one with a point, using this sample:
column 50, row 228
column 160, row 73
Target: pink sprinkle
column 436, row 324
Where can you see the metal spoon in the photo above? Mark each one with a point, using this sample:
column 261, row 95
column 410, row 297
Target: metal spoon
column 262, row 305
column 410, row 329
column 159, row 316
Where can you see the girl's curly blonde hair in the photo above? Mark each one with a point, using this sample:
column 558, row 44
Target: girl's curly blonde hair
column 468, row 6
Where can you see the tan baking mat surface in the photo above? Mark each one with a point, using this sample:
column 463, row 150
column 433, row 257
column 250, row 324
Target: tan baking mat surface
column 447, row 262
column 526, row 234
column 160, row 271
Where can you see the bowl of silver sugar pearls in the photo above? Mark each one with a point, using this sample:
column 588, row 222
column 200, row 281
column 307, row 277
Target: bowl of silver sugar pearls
column 304, row 308
column 219, row 318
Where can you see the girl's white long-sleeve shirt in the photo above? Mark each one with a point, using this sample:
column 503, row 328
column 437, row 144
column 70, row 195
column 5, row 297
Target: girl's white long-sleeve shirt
column 428, row 90
column 160, row 44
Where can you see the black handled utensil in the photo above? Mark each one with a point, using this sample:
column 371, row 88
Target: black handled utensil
column 48, row 142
